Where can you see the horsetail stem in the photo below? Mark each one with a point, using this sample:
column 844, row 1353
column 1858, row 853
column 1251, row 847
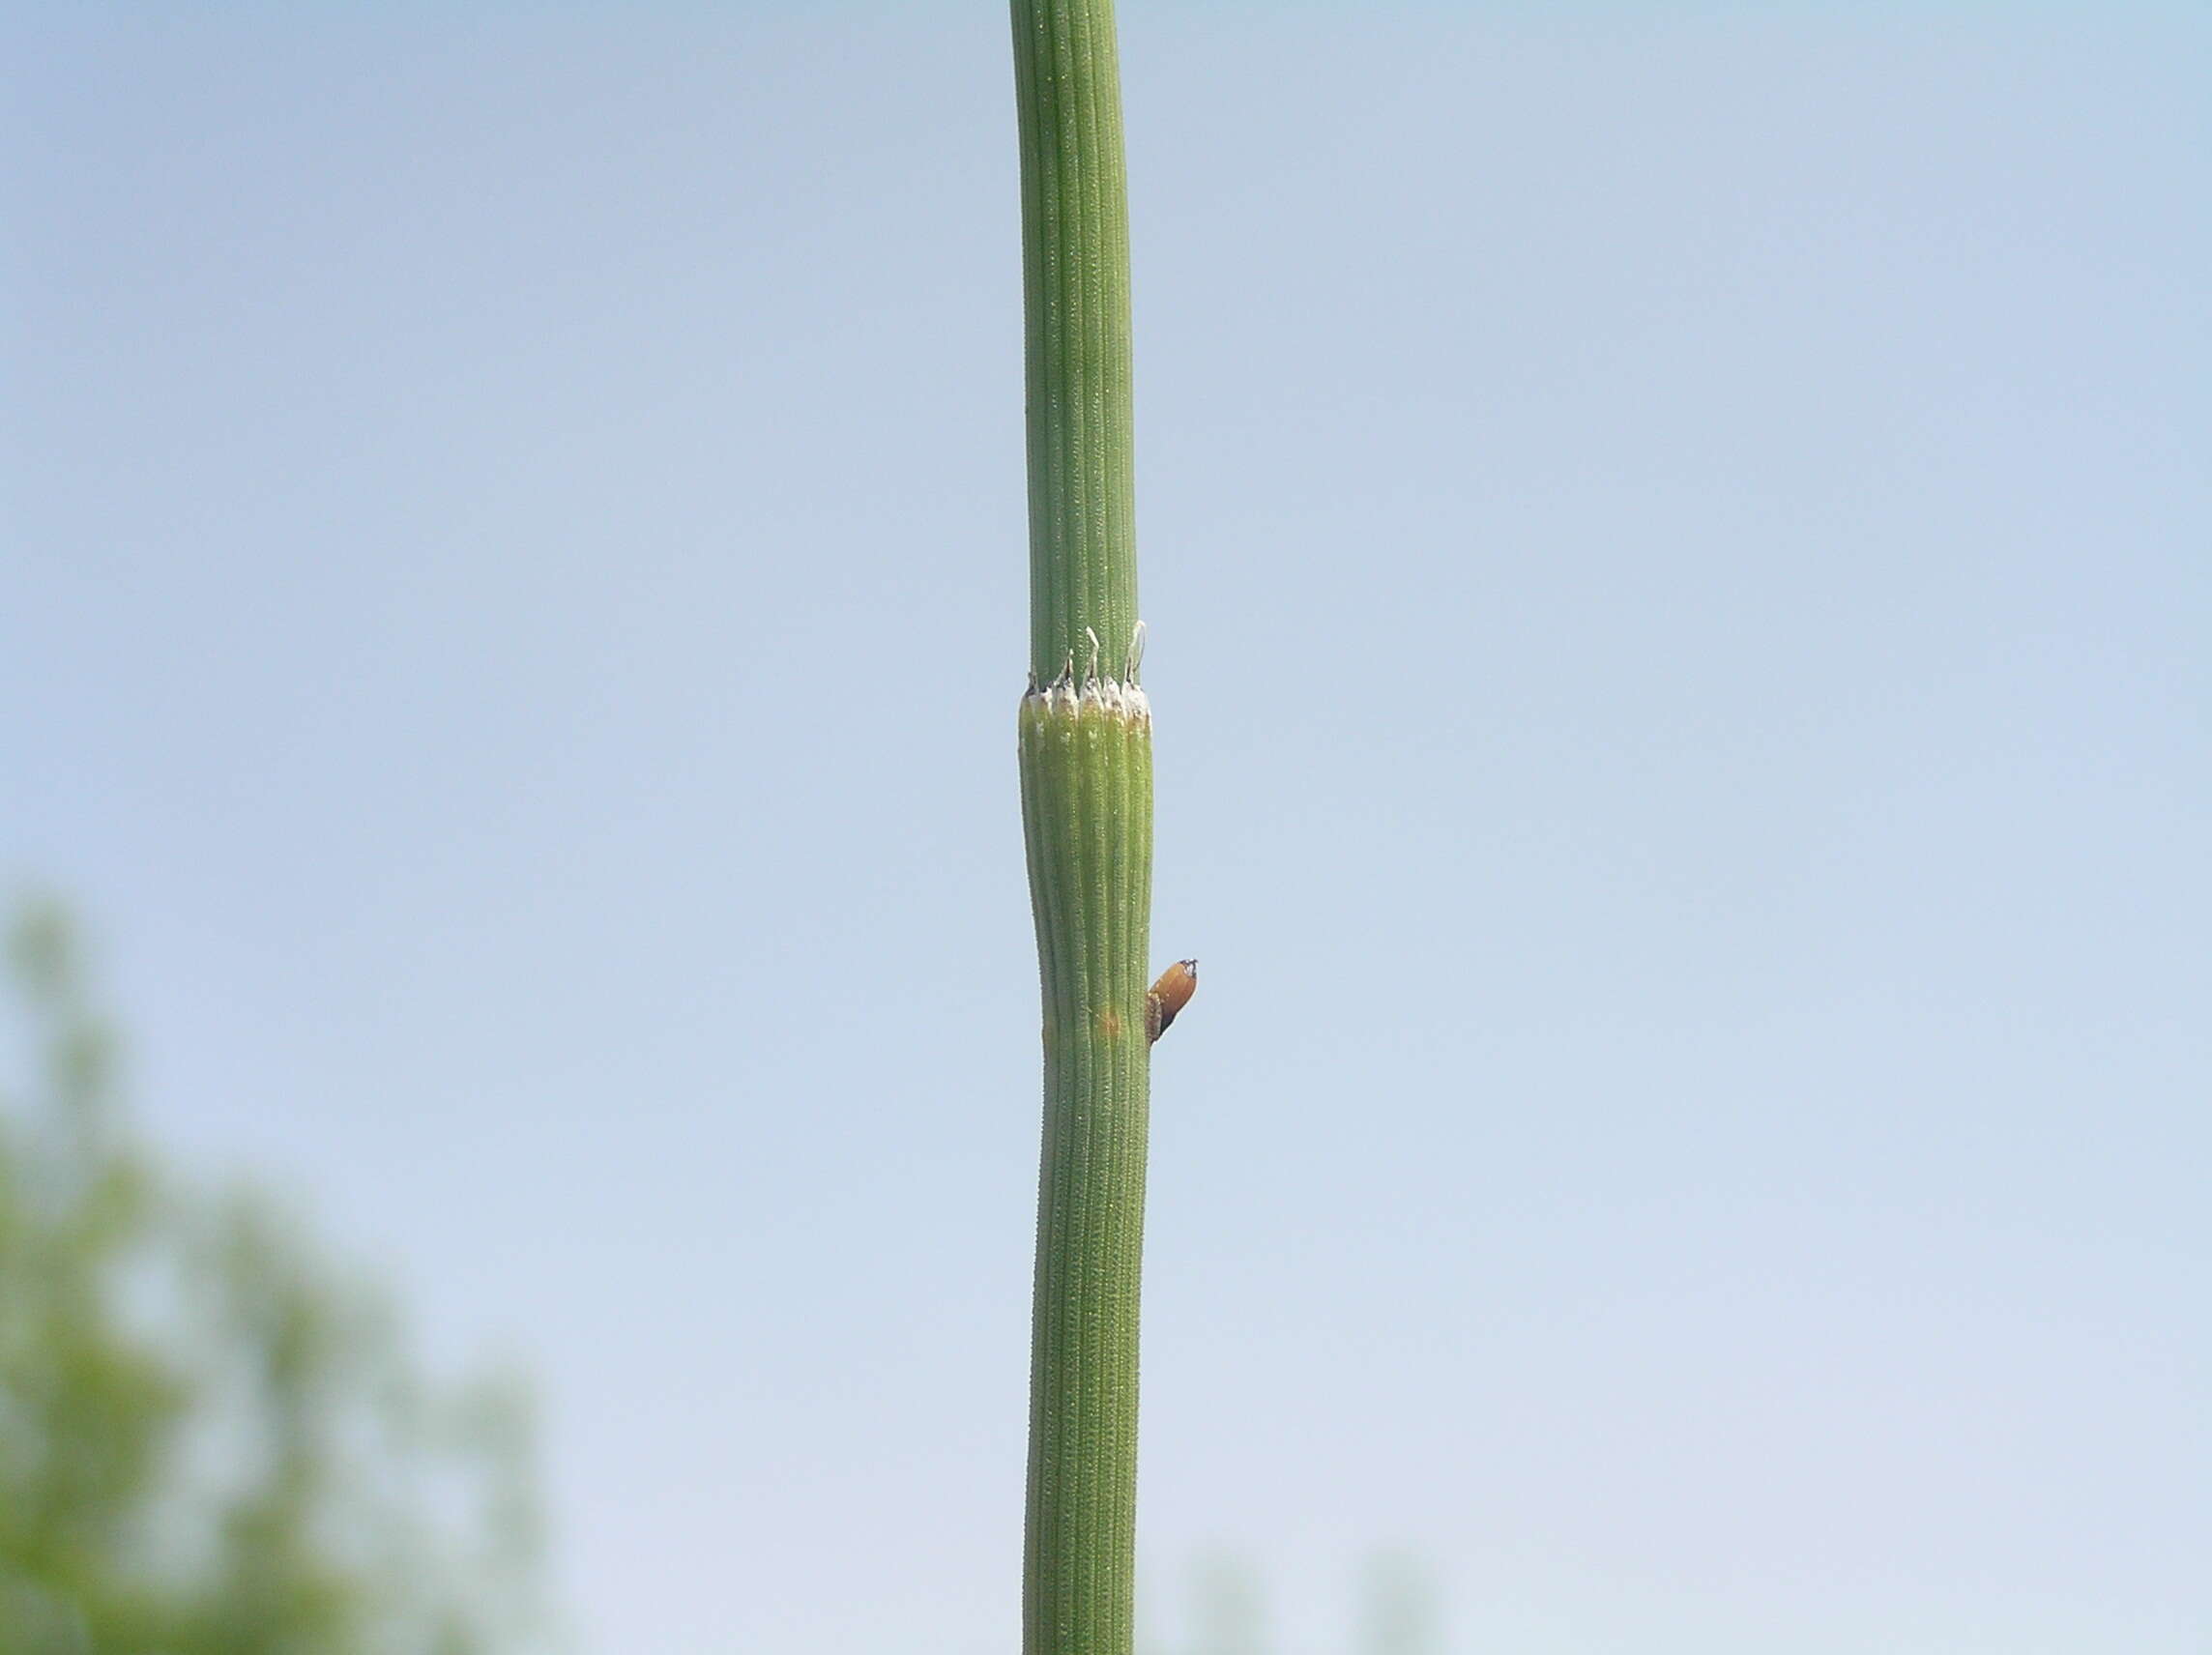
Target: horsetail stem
column 1086, row 814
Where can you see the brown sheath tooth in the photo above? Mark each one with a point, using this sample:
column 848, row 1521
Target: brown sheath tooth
column 1169, row 995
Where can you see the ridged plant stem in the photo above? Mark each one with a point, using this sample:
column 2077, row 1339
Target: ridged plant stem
column 1075, row 290
column 1087, row 811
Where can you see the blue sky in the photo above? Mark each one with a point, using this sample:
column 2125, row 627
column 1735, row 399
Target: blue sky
column 1674, row 545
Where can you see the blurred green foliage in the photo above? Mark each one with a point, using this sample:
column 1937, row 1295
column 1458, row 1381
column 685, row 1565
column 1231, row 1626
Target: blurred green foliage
column 1397, row 1610
column 211, row 1442
column 1228, row 1608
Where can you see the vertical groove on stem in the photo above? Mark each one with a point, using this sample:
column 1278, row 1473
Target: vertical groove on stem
column 1086, row 756
column 1075, row 263
column 1086, row 804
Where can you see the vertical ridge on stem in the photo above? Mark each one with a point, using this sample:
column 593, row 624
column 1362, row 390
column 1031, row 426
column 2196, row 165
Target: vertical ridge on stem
column 1086, row 763
column 1075, row 289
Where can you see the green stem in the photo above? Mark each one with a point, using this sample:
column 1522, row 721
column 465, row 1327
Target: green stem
column 1075, row 290
column 1087, row 811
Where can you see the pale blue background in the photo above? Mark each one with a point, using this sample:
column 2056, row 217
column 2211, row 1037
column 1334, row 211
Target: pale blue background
column 1675, row 544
